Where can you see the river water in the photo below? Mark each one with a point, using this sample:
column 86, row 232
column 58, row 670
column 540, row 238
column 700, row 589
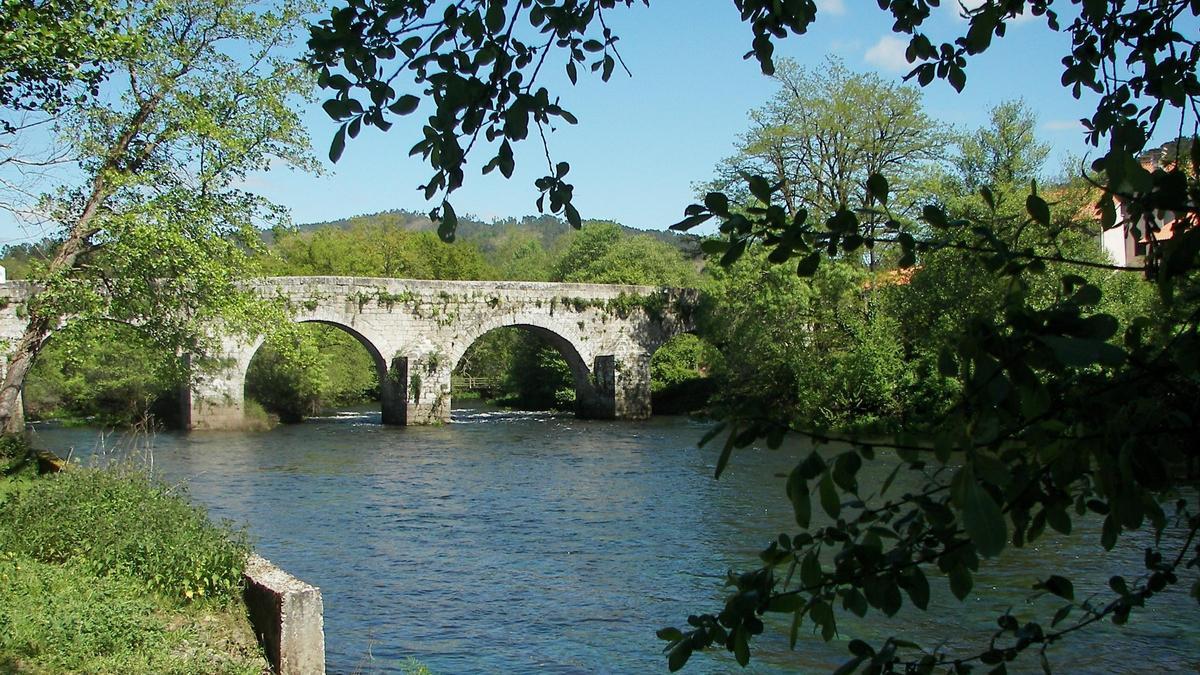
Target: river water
column 531, row 542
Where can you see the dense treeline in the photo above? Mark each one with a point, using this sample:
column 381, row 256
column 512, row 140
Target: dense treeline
column 855, row 345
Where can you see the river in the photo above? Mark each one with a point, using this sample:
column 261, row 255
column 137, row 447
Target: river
column 512, row 542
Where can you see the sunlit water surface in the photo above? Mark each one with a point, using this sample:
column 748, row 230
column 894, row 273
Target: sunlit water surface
column 530, row 542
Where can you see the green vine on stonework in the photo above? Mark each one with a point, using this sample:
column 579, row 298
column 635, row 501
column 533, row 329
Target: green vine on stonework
column 389, row 300
column 433, row 361
column 623, row 306
column 396, row 371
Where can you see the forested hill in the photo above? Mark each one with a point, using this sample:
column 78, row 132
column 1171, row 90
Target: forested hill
column 551, row 231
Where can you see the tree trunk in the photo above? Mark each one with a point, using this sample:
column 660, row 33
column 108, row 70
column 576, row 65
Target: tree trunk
column 12, row 418
column 40, row 318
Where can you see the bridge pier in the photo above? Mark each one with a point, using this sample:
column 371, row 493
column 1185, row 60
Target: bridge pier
column 422, row 385
column 392, row 403
column 215, row 401
column 621, row 388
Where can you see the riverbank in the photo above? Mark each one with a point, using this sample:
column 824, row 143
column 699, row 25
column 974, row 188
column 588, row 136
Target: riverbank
column 107, row 571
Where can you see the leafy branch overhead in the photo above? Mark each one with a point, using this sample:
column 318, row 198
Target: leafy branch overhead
column 1063, row 411
column 479, row 62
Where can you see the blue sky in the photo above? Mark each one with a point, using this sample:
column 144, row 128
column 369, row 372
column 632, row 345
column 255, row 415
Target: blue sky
column 643, row 141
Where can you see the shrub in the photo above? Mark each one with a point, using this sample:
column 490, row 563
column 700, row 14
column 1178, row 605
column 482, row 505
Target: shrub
column 113, row 522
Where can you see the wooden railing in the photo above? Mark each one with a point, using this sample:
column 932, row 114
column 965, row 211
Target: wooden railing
column 474, row 383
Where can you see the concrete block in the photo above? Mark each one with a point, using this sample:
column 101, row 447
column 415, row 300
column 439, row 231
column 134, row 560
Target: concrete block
column 287, row 617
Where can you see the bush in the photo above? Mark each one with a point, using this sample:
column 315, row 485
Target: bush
column 124, row 523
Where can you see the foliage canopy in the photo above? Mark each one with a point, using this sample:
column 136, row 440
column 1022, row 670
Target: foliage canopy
column 1063, row 411
column 155, row 227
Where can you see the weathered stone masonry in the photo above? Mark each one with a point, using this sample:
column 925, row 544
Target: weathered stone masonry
column 417, row 331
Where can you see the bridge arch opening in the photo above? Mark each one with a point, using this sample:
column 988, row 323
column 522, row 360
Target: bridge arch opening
column 525, row 366
column 106, row 374
column 313, row 367
column 684, row 371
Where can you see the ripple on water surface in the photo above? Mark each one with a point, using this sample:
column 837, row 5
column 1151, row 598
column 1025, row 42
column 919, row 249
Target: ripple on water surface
column 536, row 542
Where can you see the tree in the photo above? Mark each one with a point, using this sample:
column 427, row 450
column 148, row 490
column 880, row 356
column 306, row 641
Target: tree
column 373, row 250
column 1060, row 417
column 54, row 52
column 155, row 232
column 600, row 254
column 1004, row 153
column 824, row 133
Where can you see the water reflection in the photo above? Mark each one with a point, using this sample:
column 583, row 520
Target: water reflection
column 518, row 542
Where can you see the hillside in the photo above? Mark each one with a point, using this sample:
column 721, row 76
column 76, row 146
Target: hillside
column 549, row 229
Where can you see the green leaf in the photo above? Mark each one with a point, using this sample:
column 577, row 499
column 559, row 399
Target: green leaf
column 572, row 216
column 741, row 646
column 679, row 655
column 877, row 187
column 726, row 451
column 947, row 366
column 785, row 604
column 1110, row 532
column 981, row 516
column 798, row 494
column 1061, row 614
column 957, row 78
column 691, row 221
column 829, row 496
column 717, row 202
column 850, row 666
column 855, row 602
column 339, row 144
column 1059, row 519
column 960, row 581
column 809, row 264
column 1083, row 352
column 760, row 188
column 810, row 571
column 405, row 105
column 1060, row 586
column 449, row 223
column 860, row 648
column 988, row 197
column 670, row 634
column 918, row 588
column 934, row 216
column 1038, row 209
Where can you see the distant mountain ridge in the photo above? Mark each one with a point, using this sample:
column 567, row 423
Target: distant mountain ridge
column 549, row 229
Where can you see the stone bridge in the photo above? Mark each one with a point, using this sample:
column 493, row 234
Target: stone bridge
column 417, row 331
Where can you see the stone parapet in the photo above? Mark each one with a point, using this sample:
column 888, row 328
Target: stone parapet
column 287, row 616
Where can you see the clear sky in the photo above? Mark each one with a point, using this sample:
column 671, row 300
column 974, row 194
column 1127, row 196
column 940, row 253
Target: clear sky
column 643, row 141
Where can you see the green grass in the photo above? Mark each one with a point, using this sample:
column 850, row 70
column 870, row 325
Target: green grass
column 122, row 521
column 66, row 618
column 108, row 571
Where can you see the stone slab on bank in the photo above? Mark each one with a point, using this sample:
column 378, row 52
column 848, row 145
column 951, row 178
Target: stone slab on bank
column 287, row 616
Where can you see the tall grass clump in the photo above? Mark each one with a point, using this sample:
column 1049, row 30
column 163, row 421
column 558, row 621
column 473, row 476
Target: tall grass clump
column 122, row 522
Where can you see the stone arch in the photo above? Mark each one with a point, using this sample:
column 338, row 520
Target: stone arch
column 217, row 399
column 589, row 393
